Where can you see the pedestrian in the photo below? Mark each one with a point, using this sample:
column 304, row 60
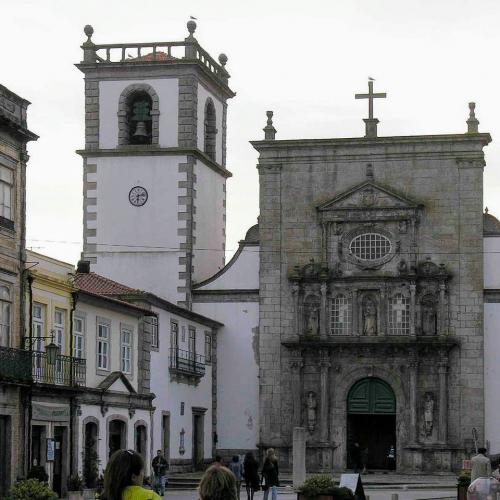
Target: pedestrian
column 251, row 474
column 124, row 476
column 391, row 458
column 217, row 483
column 218, row 460
column 160, row 467
column 270, row 475
column 496, row 473
column 356, row 458
column 364, row 459
column 481, row 465
column 236, row 467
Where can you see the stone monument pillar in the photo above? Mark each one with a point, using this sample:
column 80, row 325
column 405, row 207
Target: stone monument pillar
column 299, row 456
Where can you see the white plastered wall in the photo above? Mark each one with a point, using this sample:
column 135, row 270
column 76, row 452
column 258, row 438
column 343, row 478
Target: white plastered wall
column 167, row 90
column 203, row 95
column 492, row 262
column 139, row 246
column 170, row 394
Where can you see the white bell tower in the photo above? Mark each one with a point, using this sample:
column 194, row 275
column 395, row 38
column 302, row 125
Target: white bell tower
column 154, row 163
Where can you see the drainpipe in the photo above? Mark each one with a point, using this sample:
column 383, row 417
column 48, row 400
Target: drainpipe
column 30, row 349
column 74, row 298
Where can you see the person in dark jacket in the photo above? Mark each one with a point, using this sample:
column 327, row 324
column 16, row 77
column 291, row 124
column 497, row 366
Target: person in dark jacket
column 270, row 475
column 251, row 475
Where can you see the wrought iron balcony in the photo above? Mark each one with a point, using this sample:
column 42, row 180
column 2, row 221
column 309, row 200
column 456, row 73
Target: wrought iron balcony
column 187, row 363
column 15, row 365
column 65, row 371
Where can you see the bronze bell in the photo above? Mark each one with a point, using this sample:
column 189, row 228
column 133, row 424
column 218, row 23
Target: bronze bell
column 141, row 134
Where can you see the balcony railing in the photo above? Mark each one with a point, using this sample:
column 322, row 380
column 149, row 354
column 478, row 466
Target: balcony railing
column 15, row 365
column 65, row 371
column 187, row 363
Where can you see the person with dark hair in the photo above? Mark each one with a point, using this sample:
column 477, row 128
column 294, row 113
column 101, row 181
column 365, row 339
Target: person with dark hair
column 236, row 468
column 251, row 475
column 217, row 483
column 481, row 465
column 124, row 476
column 160, row 467
column 270, row 475
column 218, row 460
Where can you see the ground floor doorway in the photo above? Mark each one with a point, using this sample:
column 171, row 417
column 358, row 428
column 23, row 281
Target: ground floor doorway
column 198, row 440
column 58, row 477
column 117, row 436
column 4, row 455
column 371, row 425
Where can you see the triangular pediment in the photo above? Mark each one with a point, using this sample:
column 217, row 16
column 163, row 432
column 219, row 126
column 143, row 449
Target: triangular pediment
column 117, row 382
column 368, row 196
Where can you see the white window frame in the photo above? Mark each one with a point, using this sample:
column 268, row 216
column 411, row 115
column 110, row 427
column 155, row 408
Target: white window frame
column 126, row 348
column 39, row 325
column 103, row 345
column 60, row 329
column 192, row 343
column 79, row 336
column 6, row 192
column 155, row 337
column 174, row 335
column 208, row 347
column 399, row 319
column 340, row 315
column 5, row 314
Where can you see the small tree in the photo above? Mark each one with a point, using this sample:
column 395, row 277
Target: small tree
column 90, row 467
column 31, row 489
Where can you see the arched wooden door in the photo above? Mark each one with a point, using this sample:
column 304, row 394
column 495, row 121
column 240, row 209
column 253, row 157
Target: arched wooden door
column 371, row 422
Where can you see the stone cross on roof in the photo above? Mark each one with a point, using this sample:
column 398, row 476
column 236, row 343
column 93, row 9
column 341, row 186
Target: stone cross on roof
column 370, row 122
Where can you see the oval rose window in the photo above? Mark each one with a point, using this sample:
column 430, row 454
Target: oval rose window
column 370, row 246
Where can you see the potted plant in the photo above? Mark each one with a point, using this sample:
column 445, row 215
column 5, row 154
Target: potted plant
column 75, row 487
column 463, row 482
column 31, row 489
column 322, row 487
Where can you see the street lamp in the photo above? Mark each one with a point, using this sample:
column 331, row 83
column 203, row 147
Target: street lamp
column 52, row 349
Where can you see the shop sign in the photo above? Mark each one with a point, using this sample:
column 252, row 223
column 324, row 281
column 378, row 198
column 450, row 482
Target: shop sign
column 50, row 449
column 50, row 413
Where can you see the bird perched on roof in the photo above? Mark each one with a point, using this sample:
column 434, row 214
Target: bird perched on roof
column 371, row 79
column 191, row 17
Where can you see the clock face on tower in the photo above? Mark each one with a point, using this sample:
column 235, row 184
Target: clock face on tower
column 138, row 196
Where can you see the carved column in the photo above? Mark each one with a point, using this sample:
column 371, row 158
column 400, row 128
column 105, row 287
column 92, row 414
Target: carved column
column 296, row 363
column 442, row 309
column 324, row 365
column 413, row 372
column 323, row 311
column 295, row 296
column 413, row 316
column 354, row 312
column 383, row 311
column 443, row 398
column 324, row 243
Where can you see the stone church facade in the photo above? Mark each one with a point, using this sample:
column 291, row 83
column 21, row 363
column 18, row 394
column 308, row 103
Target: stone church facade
column 371, row 297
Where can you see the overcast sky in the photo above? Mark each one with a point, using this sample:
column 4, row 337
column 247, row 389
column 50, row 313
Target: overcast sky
column 303, row 60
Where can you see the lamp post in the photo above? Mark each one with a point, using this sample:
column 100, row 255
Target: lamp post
column 52, row 349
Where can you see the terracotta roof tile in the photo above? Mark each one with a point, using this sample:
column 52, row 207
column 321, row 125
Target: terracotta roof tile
column 160, row 56
column 99, row 285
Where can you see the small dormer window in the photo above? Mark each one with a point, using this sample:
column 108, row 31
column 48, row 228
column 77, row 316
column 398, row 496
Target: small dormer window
column 210, row 129
column 139, row 118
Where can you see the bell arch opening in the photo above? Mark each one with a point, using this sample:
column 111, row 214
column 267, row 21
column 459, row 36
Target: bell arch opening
column 371, row 425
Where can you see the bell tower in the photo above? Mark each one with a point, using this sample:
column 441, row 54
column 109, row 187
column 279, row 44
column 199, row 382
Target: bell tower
column 154, row 163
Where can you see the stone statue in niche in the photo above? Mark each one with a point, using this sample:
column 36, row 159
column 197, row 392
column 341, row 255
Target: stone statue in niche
column 311, row 405
column 428, row 414
column 403, row 226
column 369, row 317
column 312, row 323
column 402, row 267
column 429, row 317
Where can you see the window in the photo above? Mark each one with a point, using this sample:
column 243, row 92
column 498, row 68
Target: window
column 155, row 340
column 174, row 335
column 6, row 182
column 399, row 315
column 126, row 350
column 103, row 338
column 78, row 337
column 340, row 315
column 210, row 129
column 39, row 326
column 182, row 407
column 192, row 343
column 370, row 246
column 5, row 314
column 208, row 347
column 59, row 327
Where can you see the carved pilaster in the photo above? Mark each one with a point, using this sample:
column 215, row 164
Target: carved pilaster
column 323, row 311
column 383, row 311
column 295, row 296
column 296, row 363
column 443, row 398
column 324, row 242
column 354, row 304
column 413, row 316
column 413, row 375
column 324, row 368
column 442, row 309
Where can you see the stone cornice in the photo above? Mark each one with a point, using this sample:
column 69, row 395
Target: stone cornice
column 155, row 151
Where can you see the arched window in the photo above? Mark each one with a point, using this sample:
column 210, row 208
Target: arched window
column 210, row 129
column 117, row 436
column 139, row 120
column 90, row 455
column 141, row 440
column 340, row 315
column 5, row 316
column 399, row 315
column 138, row 115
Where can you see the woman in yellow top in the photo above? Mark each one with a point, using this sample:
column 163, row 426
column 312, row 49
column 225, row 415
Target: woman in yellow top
column 123, row 478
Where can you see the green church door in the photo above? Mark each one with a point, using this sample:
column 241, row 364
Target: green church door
column 371, row 422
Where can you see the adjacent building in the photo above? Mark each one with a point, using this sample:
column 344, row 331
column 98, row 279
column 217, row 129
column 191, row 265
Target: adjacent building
column 14, row 363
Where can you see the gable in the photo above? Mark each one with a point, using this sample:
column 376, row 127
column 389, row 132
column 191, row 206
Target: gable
column 368, row 196
column 118, row 386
